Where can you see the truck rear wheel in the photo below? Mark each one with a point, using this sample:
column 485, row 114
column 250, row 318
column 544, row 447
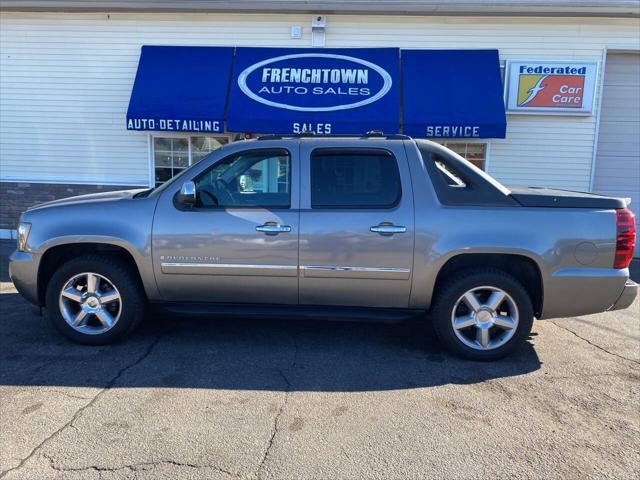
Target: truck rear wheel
column 482, row 315
column 95, row 300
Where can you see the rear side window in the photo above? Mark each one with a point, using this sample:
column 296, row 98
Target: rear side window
column 459, row 182
column 449, row 174
column 354, row 179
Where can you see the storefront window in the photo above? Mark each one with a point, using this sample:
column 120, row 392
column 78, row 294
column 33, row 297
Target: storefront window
column 203, row 146
column 173, row 154
column 474, row 152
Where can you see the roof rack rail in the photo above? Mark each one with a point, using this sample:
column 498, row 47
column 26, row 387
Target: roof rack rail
column 370, row 134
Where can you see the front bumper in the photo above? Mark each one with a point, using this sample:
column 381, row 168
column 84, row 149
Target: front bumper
column 629, row 294
column 23, row 271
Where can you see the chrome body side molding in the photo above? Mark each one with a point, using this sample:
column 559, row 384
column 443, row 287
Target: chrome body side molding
column 348, row 271
column 229, row 269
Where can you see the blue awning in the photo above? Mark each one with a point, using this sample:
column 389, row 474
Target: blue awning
column 181, row 89
column 445, row 93
column 285, row 90
column 452, row 94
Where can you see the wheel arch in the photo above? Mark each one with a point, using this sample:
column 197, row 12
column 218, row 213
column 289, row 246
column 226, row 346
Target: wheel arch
column 524, row 268
column 55, row 255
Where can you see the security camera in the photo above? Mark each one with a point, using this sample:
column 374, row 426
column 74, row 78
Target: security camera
column 319, row 21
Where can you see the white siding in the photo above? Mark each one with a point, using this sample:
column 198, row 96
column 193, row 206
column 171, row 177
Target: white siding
column 617, row 168
column 65, row 81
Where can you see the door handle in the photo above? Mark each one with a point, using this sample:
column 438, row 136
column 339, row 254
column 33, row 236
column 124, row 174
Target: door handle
column 388, row 229
column 271, row 229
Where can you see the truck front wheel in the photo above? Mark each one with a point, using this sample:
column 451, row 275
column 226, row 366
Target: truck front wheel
column 95, row 299
column 482, row 315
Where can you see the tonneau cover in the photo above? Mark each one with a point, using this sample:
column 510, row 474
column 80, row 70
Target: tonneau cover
column 548, row 197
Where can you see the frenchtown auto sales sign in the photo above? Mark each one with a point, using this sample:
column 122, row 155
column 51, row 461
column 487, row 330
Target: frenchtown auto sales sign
column 551, row 87
column 302, row 90
column 347, row 85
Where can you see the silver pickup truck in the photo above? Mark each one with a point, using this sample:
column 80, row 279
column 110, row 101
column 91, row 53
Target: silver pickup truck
column 380, row 227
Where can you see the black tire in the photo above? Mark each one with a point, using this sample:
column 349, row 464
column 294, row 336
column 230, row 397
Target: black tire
column 455, row 287
column 121, row 275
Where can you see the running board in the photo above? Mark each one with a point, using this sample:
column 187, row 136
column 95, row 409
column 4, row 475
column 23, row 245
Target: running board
column 229, row 310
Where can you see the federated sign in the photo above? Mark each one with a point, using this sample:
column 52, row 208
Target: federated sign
column 302, row 90
column 551, row 87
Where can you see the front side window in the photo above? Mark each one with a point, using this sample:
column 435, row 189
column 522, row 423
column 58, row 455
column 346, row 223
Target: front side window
column 354, row 179
column 248, row 179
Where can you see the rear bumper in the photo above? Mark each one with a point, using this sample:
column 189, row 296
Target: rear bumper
column 629, row 294
column 582, row 291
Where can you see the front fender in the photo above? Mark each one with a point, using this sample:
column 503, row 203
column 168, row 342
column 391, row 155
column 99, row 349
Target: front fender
column 126, row 224
column 141, row 254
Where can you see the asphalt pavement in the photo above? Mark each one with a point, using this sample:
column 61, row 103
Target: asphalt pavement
column 217, row 398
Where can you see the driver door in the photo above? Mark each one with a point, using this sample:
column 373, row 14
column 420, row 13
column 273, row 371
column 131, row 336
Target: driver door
column 239, row 243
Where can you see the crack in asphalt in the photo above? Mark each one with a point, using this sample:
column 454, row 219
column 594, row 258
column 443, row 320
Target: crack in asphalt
column 596, row 345
column 134, row 467
column 70, row 395
column 276, row 425
column 276, row 419
column 79, row 412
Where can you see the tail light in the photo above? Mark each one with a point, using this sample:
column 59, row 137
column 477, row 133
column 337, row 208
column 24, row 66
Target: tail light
column 625, row 238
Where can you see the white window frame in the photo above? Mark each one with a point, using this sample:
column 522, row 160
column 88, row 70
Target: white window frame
column 187, row 135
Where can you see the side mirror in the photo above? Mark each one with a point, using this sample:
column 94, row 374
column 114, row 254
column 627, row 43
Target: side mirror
column 187, row 195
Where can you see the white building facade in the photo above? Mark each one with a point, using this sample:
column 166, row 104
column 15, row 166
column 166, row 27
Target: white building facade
column 66, row 79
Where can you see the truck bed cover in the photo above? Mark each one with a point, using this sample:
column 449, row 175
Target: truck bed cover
column 549, row 197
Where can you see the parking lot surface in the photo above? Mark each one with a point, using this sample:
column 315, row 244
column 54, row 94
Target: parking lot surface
column 218, row 398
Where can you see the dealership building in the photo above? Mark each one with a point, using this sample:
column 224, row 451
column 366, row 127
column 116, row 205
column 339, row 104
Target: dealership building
column 98, row 96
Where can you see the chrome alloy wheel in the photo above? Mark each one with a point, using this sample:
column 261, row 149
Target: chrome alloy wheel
column 90, row 303
column 485, row 318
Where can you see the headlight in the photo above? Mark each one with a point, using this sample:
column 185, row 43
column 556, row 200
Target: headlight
column 23, row 235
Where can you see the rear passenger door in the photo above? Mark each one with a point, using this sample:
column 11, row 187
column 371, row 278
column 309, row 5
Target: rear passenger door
column 356, row 225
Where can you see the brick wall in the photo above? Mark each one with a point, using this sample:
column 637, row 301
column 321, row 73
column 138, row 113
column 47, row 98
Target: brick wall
column 17, row 197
